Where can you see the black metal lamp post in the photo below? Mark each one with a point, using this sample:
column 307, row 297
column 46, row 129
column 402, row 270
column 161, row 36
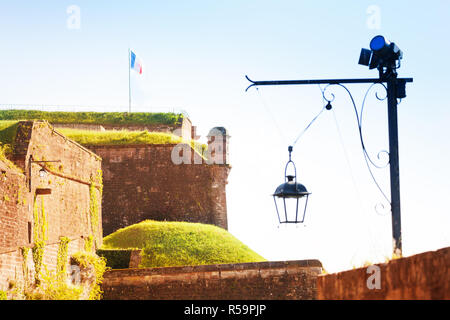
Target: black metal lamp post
column 384, row 56
column 290, row 196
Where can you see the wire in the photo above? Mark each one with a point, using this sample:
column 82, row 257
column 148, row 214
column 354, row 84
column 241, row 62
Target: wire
column 358, row 116
column 312, row 121
column 358, row 194
column 280, row 132
column 276, row 124
column 309, row 125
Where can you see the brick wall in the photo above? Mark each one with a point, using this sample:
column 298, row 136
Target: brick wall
column 422, row 276
column 245, row 281
column 14, row 208
column 141, row 182
column 12, row 262
column 66, row 208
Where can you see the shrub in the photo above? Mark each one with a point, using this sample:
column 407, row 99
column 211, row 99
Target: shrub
column 88, row 259
column 116, row 258
column 52, row 287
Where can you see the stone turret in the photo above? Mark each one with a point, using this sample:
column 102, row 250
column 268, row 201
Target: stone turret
column 218, row 145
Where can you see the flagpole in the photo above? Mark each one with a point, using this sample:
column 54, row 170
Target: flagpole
column 129, row 80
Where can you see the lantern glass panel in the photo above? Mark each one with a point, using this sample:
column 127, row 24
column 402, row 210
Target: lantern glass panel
column 291, row 209
column 42, row 173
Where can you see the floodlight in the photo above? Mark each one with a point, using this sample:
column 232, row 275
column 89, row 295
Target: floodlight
column 364, row 58
column 378, row 43
column 382, row 54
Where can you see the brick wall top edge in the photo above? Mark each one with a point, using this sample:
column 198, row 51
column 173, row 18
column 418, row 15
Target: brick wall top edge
column 124, row 125
column 418, row 256
column 32, row 122
column 122, row 146
column 218, row 267
column 187, row 120
column 5, row 167
column 92, row 154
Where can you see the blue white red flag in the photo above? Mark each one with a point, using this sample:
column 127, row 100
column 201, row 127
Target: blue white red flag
column 135, row 63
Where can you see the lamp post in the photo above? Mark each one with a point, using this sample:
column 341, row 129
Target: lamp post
column 384, row 56
column 42, row 171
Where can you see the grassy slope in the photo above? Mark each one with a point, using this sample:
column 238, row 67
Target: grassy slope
column 109, row 137
column 89, row 137
column 181, row 243
column 93, row 117
column 8, row 131
column 123, row 137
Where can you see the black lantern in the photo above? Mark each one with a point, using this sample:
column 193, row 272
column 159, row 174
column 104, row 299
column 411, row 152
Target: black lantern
column 291, row 196
column 42, row 173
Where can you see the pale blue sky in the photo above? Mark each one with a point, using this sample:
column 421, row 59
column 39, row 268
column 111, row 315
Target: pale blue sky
column 195, row 56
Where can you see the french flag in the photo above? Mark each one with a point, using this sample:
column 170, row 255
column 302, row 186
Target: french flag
column 135, row 63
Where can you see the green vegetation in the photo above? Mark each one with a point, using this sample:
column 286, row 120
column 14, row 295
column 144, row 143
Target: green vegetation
column 40, row 221
column 116, row 258
column 90, row 137
column 88, row 243
column 56, row 285
column 61, row 261
column 52, row 287
column 38, row 255
column 123, row 137
column 93, row 117
column 89, row 259
column 3, row 295
column 116, row 137
column 8, row 131
column 40, row 236
column 180, row 243
column 25, row 251
column 94, row 210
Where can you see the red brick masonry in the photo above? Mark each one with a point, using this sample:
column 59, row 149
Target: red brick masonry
column 422, row 276
column 66, row 208
column 244, row 281
column 141, row 182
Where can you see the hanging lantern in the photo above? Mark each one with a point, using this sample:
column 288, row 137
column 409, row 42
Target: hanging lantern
column 291, row 196
column 42, row 173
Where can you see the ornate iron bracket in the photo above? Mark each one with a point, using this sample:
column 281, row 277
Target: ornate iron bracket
column 395, row 88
